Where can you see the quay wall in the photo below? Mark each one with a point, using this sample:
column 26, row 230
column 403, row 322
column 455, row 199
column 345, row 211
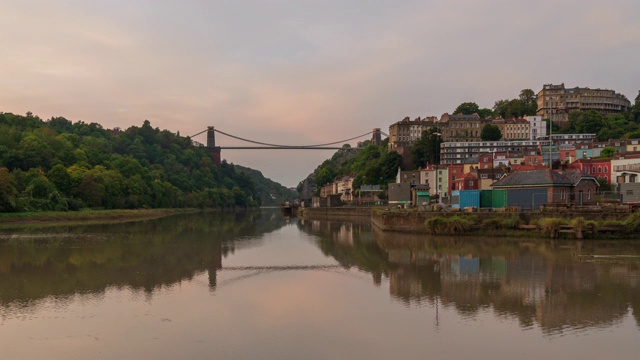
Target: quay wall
column 336, row 213
column 412, row 221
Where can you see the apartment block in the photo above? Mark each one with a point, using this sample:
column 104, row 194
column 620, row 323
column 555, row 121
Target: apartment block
column 555, row 102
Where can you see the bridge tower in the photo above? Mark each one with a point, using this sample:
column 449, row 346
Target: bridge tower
column 376, row 138
column 211, row 145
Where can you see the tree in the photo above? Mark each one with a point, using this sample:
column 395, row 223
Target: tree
column 490, row 133
column 635, row 109
column 60, row 177
column 608, row 151
column 529, row 101
column 324, row 176
column 525, row 104
column 588, row 122
column 7, row 191
column 485, row 113
column 427, row 148
column 467, row 108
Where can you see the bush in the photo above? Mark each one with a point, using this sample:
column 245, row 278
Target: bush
column 449, row 226
column 612, row 223
column 492, row 223
column 436, row 225
column 549, row 226
column 511, row 222
column 632, row 223
column 458, row 225
column 497, row 222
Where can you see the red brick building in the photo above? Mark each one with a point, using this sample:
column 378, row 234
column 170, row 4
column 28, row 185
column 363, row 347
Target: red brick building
column 598, row 168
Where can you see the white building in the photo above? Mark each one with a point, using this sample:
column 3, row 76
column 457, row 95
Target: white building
column 625, row 170
column 537, row 127
column 437, row 177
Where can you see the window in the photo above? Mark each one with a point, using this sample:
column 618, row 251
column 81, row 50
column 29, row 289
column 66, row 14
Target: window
column 629, row 192
column 606, row 169
column 562, row 194
column 589, row 194
column 599, row 169
column 593, row 169
column 470, row 182
column 483, row 176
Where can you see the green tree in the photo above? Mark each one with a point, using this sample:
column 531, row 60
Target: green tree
column 485, row 113
column 635, row 109
column 467, row 108
column 61, row 178
column 7, row 191
column 608, row 151
column 529, row 101
column 427, row 148
column 325, row 176
column 588, row 122
column 525, row 104
column 490, row 133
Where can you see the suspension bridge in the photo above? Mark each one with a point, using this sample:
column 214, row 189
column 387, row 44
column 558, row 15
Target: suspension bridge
column 376, row 138
column 258, row 145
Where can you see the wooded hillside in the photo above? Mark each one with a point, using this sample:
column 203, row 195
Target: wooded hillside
column 60, row 165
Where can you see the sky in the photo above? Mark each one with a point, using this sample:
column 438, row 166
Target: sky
column 301, row 72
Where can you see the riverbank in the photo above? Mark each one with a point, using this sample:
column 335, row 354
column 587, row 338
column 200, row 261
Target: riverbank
column 53, row 218
column 561, row 224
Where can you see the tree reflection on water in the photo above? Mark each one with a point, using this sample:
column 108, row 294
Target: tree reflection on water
column 144, row 255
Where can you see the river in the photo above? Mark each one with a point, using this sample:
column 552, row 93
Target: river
column 255, row 285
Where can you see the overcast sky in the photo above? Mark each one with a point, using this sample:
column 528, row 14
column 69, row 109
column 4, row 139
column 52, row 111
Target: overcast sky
column 301, row 72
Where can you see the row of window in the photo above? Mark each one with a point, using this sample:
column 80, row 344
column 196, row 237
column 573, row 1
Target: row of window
column 600, row 168
column 563, row 194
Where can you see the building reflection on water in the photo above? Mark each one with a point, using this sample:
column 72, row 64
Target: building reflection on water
column 540, row 283
column 557, row 286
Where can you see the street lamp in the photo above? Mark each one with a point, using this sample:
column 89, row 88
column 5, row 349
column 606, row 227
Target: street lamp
column 436, row 163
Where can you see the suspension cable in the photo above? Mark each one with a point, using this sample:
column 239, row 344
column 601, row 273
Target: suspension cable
column 199, row 133
column 266, row 144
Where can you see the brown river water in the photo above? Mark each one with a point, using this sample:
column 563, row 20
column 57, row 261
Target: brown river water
column 255, row 285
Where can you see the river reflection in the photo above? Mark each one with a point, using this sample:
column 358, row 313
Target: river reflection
column 62, row 261
column 569, row 285
column 256, row 285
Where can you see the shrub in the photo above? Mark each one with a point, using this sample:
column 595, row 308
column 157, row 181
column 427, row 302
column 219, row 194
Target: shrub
column 458, row 224
column 501, row 222
column 632, row 223
column 492, row 223
column 436, row 225
column 549, row 226
column 511, row 222
column 449, row 226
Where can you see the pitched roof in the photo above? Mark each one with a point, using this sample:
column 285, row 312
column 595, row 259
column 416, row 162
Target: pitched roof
column 534, row 177
column 544, row 178
column 576, row 175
